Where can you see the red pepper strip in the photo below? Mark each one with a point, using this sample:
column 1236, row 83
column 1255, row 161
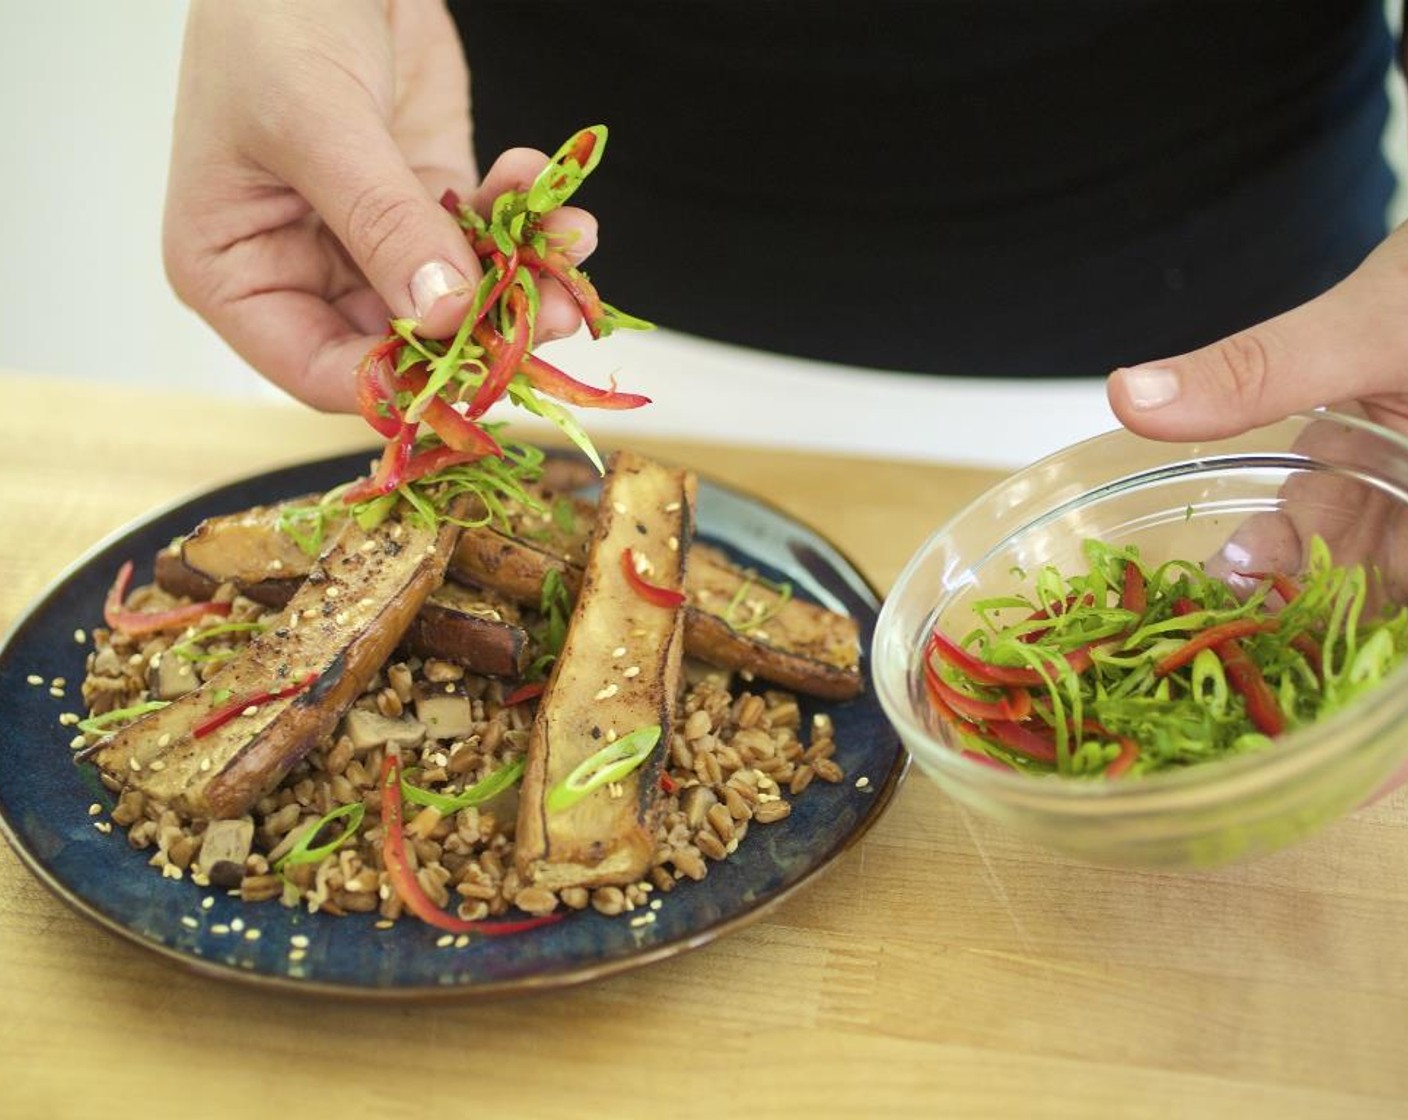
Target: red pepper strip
column 450, row 201
column 1246, row 678
column 374, row 400
column 561, row 386
column 222, row 715
column 1209, row 639
column 1014, row 707
column 1309, row 648
column 651, row 593
column 530, row 691
column 668, row 784
column 985, row 672
column 390, row 470
column 1128, row 756
column 1134, row 596
column 582, row 290
column 1283, row 585
column 507, row 270
column 403, row 879
column 453, row 429
column 138, row 623
column 1054, row 611
column 1023, row 739
column 503, row 362
column 986, row 760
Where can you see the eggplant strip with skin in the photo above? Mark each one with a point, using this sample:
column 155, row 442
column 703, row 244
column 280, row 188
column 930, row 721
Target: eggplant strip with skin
column 618, row 673
column 798, row 645
column 299, row 676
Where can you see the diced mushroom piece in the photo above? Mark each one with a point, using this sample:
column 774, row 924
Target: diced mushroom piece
column 446, row 715
column 171, row 677
column 223, row 850
column 368, row 729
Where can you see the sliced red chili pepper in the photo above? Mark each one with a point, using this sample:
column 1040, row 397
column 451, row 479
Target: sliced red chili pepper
column 1128, row 756
column 137, row 623
column 374, row 399
column 547, row 378
column 390, row 470
column 658, row 596
column 218, row 717
column 440, row 416
column 1246, row 678
column 986, row 760
column 1309, row 648
column 984, row 672
column 1134, row 595
column 530, row 691
column 450, row 200
column 508, row 269
column 581, row 289
column 403, row 878
column 1209, row 639
column 504, row 360
column 668, row 784
column 1024, row 739
column 1015, row 706
column 1283, row 585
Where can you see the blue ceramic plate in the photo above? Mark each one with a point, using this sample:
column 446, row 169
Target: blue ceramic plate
column 45, row 798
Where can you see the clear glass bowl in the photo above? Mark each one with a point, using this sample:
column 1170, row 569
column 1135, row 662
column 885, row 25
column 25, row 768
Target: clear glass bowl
column 1339, row 476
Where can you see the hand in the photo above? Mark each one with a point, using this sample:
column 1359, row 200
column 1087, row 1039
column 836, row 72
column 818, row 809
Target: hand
column 1348, row 349
column 313, row 139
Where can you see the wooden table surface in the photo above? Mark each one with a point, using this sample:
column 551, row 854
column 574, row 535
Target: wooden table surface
column 943, row 968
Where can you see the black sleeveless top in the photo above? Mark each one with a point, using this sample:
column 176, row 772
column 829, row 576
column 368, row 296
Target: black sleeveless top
column 1006, row 188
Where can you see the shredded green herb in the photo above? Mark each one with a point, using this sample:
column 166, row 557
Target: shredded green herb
column 486, row 789
column 1130, row 670
column 98, row 725
column 193, row 648
column 303, row 850
column 745, row 613
column 554, row 611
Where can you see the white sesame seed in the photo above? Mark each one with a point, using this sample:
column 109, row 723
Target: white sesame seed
column 386, row 923
column 333, row 592
column 135, row 659
column 252, row 935
column 80, row 636
column 656, row 903
column 237, row 924
column 631, row 671
column 56, row 693
column 189, row 922
column 619, row 651
column 671, row 507
column 296, row 954
column 58, row 682
column 340, row 618
column 34, row 678
column 253, row 709
column 608, row 692
column 367, row 546
column 619, row 507
column 642, row 919
column 94, row 809
column 461, row 941
column 299, row 941
column 157, row 764
column 104, row 827
column 207, row 902
column 862, row 782
column 67, row 719
column 133, row 764
column 673, row 544
column 366, row 602
column 444, row 941
column 171, row 871
column 276, row 565
column 610, row 734
column 204, row 765
column 615, row 790
column 77, row 742
column 164, row 739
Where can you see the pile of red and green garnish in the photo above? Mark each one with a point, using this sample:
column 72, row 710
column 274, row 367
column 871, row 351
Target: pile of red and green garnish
column 428, row 399
column 1129, row 670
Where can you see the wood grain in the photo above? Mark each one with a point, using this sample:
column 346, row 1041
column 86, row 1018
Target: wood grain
column 943, row 968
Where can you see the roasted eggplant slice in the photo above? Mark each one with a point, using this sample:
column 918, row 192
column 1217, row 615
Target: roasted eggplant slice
column 298, row 677
column 617, row 676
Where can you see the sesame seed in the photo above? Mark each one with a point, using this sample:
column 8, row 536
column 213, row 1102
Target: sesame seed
column 135, row 659
column 366, row 602
column 619, row 651
column 34, row 678
column 367, row 546
column 104, row 827
column 207, row 902
column 671, row 507
column 333, row 592
column 608, row 692
column 638, row 633
column 94, row 809
column 340, row 618
column 204, row 765
column 189, row 922
column 642, row 919
column 673, row 544
column 157, row 764
column 199, row 878
column 444, row 941
column 67, row 719
column 862, row 782
column 56, row 693
column 631, row 671
column 299, row 941
column 80, row 636
column 171, row 871
column 276, row 565
column 251, row 710
column 252, row 935
column 296, row 954
column 619, row 507
column 615, row 790
column 164, row 739
column 610, row 734
column 58, row 682
column 154, row 661
column 450, row 687
column 461, row 941
column 386, row 923
column 77, row 742
column 134, row 765
column 655, row 903
column 237, row 924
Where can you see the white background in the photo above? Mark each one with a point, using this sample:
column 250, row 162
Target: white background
column 87, row 89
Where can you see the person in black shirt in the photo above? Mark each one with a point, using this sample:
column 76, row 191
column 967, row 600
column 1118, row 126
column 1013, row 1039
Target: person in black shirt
column 1009, row 189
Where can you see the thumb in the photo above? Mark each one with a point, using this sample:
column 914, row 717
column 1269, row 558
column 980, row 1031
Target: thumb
column 412, row 252
column 1347, row 344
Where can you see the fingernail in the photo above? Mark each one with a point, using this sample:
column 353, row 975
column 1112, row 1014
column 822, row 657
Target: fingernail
column 432, row 282
column 1150, row 388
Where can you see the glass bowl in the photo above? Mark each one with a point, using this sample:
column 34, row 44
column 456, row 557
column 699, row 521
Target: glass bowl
column 1261, row 493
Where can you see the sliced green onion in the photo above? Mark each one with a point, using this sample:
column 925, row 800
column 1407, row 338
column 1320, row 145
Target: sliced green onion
column 486, row 789
column 96, row 725
column 610, row 764
column 189, row 648
column 303, row 852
